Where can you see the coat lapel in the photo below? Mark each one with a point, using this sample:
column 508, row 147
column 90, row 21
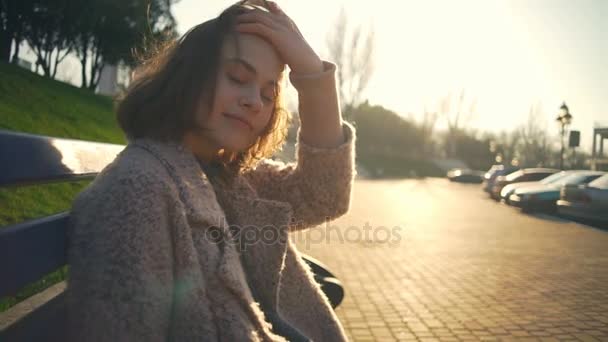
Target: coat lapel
column 190, row 180
column 260, row 231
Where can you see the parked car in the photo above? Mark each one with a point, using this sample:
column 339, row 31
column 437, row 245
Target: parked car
column 465, row 176
column 589, row 202
column 544, row 196
column 508, row 190
column 495, row 171
column 523, row 175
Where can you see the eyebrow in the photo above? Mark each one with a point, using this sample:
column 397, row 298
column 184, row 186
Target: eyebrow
column 249, row 67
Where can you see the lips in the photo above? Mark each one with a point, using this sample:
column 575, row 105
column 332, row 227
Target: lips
column 239, row 119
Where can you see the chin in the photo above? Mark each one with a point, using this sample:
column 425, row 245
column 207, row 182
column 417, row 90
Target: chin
column 236, row 147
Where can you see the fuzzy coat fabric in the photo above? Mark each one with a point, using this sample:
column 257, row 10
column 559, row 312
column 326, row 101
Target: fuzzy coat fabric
column 160, row 252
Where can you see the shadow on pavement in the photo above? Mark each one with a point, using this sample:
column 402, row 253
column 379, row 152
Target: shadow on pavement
column 559, row 218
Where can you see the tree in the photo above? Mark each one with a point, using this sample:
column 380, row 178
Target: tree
column 114, row 30
column 457, row 116
column 505, row 147
column 427, row 128
column 354, row 54
column 100, row 35
column 390, row 145
column 380, row 130
column 14, row 18
column 161, row 21
column 50, row 33
column 534, row 149
column 471, row 149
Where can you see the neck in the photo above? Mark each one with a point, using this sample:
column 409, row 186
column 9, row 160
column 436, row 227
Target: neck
column 202, row 149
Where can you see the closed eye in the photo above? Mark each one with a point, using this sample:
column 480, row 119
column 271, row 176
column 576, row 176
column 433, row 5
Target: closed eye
column 272, row 95
column 235, row 80
column 238, row 81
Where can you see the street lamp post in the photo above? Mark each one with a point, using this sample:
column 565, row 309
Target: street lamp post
column 564, row 118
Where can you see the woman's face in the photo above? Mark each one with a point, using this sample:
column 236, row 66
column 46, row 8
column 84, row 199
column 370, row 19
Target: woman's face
column 244, row 99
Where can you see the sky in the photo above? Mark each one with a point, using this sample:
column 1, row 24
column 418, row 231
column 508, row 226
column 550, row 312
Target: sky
column 507, row 55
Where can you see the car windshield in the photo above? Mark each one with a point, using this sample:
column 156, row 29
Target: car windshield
column 573, row 179
column 600, row 183
column 554, row 177
column 512, row 176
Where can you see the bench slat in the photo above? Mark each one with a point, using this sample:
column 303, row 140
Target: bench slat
column 38, row 318
column 30, row 250
column 30, row 159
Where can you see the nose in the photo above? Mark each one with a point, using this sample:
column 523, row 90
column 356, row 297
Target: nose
column 251, row 100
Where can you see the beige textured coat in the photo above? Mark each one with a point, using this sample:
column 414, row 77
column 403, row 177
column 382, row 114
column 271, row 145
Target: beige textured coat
column 147, row 263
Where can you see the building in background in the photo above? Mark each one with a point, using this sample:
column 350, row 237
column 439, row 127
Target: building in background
column 25, row 64
column 598, row 160
column 113, row 79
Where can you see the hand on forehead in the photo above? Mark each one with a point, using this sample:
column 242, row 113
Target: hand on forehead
column 256, row 52
column 277, row 28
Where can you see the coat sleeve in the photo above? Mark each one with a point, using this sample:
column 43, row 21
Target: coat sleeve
column 120, row 254
column 318, row 184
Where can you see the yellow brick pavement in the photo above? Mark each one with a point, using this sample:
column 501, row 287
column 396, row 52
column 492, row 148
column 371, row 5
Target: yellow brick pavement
column 428, row 260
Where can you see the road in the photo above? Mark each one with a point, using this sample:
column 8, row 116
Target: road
column 431, row 260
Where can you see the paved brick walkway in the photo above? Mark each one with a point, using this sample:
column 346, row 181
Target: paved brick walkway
column 461, row 267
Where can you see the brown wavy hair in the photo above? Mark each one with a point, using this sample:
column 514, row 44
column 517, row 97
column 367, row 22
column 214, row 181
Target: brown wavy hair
column 161, row 101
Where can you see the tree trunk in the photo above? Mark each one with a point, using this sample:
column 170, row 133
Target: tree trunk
column 5, row 45
column 59, row 58
column 41, row 59
column 15, row 57
column 83, row 63
column 96, row 75
column 97, row 64
column 45, row 68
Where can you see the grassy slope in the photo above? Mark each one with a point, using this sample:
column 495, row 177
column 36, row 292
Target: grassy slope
column 31, row 103
column 34, row 104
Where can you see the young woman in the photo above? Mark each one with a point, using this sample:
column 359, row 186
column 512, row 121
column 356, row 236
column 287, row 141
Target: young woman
column 184, row 236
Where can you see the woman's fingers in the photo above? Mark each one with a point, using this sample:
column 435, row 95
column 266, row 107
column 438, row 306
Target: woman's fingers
column 275, row 26
column 257, row 29
column 261, row 3
column 268, row 17
column 274, row 8
column 260, row 17
column 283, row 17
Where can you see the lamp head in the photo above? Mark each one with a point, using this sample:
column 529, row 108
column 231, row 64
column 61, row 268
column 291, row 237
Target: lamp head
column 564, row 114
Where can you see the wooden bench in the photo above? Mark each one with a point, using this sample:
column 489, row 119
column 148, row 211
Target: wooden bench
column 32, row 249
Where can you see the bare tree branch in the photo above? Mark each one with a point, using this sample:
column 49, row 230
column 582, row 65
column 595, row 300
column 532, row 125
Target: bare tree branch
column 354, row 54
column 457, row 119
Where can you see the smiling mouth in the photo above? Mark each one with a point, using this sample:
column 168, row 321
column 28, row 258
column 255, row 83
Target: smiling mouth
column 239, row 120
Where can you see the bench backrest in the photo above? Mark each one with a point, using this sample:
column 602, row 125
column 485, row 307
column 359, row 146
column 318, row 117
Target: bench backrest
column 32, row 249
